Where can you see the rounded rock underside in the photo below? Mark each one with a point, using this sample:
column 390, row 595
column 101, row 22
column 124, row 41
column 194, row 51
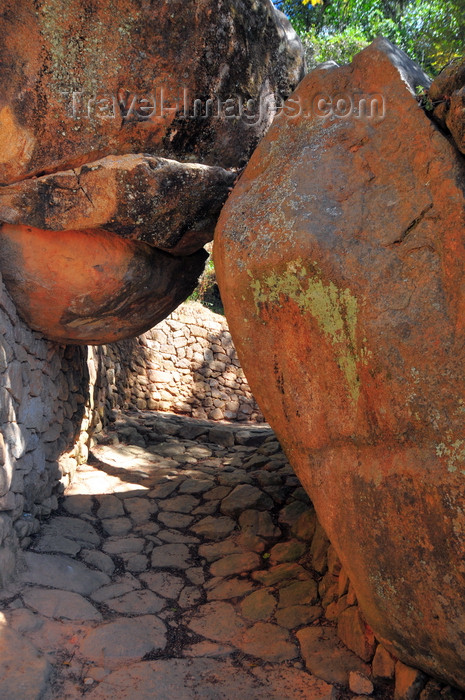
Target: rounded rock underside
column 91, row 286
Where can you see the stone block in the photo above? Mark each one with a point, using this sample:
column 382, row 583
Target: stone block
column 409, row 682
column 356, row 634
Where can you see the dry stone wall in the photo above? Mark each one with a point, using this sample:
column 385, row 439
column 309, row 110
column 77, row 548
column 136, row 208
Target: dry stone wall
column 186, row 364
column 45, row 424
column 53, row 398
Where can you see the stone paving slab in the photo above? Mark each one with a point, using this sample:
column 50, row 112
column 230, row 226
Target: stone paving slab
column 61, row 605
column 208, row 679
column 61, row 572
column 191, row 569
column 24, row 671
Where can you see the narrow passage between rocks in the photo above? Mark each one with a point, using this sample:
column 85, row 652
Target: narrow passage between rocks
column 185, row 562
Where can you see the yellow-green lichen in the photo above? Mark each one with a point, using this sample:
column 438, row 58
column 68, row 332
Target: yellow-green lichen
column 453, row 452
column 334, row 309
column 78, row 60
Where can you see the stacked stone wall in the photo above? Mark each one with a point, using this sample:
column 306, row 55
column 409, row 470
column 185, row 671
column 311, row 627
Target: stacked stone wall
column 53, row 398
column 46, row 418
column 186, row 364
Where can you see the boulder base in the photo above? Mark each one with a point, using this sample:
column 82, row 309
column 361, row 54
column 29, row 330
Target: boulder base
column 91, row 286
column 340, row 258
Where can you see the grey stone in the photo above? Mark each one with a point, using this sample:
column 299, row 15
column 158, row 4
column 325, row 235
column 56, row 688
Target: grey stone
column 243, row 497
column 171, row 556
column 298, row 615
column 23, row 620
column 235, row 478
column 8, row 501
column 292, row 512
column 217, row 621
column 140, row 602
column 327, row 659
column 109, row 507
column 99, row 560
column 140, row 509
column 57, row 544
column 221, row 436
column 192, row 486
column 217, row 493
column 200, row 452
column 235, row 564
column 113, row 590
column 268, row 642
column 117, row 526
column 258, row 523
column 165, row 489
column 136, row 563
column 173, row 536
column 24, row 671
column 60, row 604
column 73, row 528
column 207, row 649
column 214, row 528
column 165, row 584
column 61, row 572
column 175, row 520
column 78, row 504
column 180, row 504
column 287, row 551
column 259, row 605
column 31, row 413
column 216, row 550
column 231, row 588
column 124, row 641
column 190, row 596
column 147, row 529
column 173, row 450
column 208, row 508
column 298, row 593
column 281, row 572
column 253, row 438
column 123, row 544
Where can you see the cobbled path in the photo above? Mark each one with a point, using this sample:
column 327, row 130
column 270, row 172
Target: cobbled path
column 177, row 568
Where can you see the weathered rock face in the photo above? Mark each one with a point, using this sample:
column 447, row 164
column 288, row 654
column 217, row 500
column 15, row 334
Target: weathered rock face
column 110, row 77
column 93, row 90
column 340, row 257
column 447, row 94
column 173, row 206
column 128, row 285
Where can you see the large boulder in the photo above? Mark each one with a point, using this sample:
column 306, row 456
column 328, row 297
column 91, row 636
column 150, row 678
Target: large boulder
column 171, row 205
column 133, row 119
column 446, row 96
column 91, row 287
column 82, row 80
column 340, row 257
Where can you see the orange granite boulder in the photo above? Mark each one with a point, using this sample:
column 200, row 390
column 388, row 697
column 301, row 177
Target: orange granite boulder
column 131, row 120
column 83, row 80
column 171, row 205
column 446, row 97
column 341, row 262
column 89, row 286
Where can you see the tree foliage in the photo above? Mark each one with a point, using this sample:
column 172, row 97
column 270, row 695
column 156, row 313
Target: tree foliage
column 432, row 32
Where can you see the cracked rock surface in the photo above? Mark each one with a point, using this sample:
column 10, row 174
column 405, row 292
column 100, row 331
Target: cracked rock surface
column 123, row 120
column 340, row 258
